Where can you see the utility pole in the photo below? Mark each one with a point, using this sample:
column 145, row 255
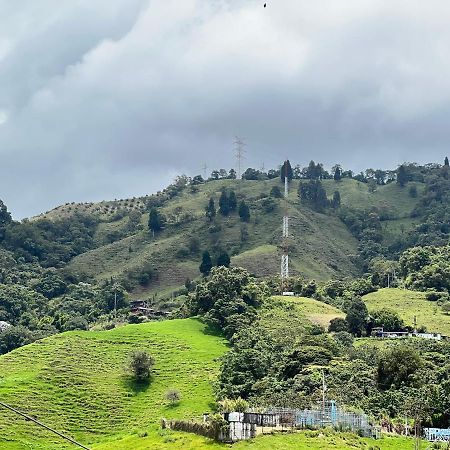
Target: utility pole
column 324, row 388
column 115, row 301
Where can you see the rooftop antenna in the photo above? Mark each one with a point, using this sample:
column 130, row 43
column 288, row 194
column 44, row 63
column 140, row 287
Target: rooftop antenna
column 285, row 243
column 239, row 150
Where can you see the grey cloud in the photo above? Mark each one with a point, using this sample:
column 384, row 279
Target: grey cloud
column 113, row 98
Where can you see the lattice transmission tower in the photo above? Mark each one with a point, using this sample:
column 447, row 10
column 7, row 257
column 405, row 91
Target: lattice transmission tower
column 285, row 242
column 239, row 154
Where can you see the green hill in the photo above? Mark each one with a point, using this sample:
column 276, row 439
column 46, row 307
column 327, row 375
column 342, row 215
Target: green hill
column 409, row 304
column 321, row 246
column 76, row 383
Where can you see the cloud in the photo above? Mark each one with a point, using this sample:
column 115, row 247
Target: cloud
column 113, row 98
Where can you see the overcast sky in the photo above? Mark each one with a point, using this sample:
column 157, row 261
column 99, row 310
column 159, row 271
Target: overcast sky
column 104, row 99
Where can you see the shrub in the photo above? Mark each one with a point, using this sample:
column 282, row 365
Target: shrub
column 173, row 396
column 141, row 365
column 338, row 325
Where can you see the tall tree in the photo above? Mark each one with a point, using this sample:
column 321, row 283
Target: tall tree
column 210, row 210
column 313, row 194
column 336, row 202
column 446, row 161
column 206, row 264
column 232, row 174
column 154, row 220
column 244, row 211
column 224, row 203
column 232, row 201
column 357, row 316
column 402, row 175
column 223, row 259
column 286, row 169
column 337, row 172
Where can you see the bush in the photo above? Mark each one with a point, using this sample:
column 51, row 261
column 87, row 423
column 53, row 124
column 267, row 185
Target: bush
column 141, row 365
column 14, row 337
column 275, row 192
column 344, row 338
column 173, row 396
column 338, row 325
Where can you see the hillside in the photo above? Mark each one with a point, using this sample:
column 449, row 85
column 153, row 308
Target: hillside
column 409, row 304
column 314, row 311
column 76, row 383
column 321, row 246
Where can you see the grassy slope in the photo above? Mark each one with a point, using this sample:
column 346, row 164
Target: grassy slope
column 76, row 383
column 321, row 247
column 320, row 244
column 313, row 310
column 409, row 304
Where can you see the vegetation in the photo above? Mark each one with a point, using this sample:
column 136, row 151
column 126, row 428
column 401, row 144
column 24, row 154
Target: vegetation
column 366, row 250
column 75, row 382
column 141, row 365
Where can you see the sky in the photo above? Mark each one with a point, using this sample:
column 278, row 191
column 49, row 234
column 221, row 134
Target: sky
column 104, row 99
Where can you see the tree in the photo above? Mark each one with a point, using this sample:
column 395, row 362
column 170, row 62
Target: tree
column 357, row 316
column 223, row 259
column 389, row 320
column 446, row 161
column 173, row 396
column 286, row 169
column 224, row 203
column 251, row 174
column 244, row 212
column 337, row 172
column 336, row 202
column 313, row 171
column 206, row 264
column 412, row 191
column 402, row 175
column 232, row 201
column 154, row 220
column 313, row 194
column 396, row 365
column 14, row 337
column 227, row 300
column 5, row 219
column 275, row 192
column 338, row 324
column 232, row 174
column 210, row 210
column 141, row 365
column 198, row 179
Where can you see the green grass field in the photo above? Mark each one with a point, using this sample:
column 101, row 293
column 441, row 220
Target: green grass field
column 76, row 382
column 313, row 310
column 409, row 304
column 305, row 440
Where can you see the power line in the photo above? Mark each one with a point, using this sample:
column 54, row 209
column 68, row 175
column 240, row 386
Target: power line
column 43, row 425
